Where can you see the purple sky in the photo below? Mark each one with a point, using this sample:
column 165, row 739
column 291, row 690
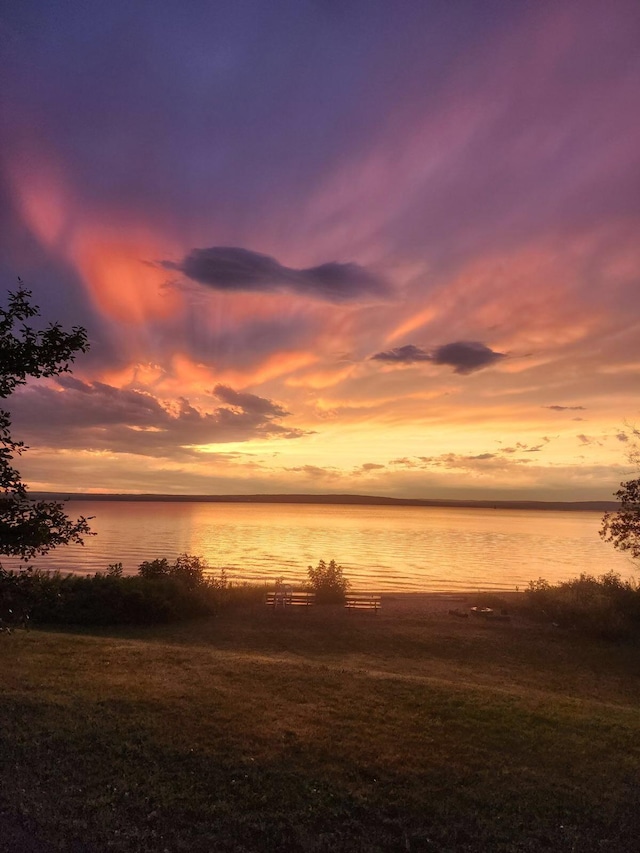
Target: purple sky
column 370, row 247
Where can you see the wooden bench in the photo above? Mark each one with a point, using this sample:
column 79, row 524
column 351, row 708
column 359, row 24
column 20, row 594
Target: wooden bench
column 289, row 598
column 363, row 601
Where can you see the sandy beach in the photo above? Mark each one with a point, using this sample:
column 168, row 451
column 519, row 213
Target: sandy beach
column 422, row 603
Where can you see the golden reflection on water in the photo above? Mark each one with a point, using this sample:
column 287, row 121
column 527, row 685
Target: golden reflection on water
column 381, row 548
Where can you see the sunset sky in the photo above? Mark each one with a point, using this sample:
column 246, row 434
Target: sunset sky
column 318, row 246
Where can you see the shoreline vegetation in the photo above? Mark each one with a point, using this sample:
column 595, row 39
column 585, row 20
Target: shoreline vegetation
column 338, row 499
column 606, row 607
column 318, row 730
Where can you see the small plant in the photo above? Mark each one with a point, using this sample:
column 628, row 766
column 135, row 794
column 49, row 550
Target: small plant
column 115, row 570
column 328, row 582
column 219, row 581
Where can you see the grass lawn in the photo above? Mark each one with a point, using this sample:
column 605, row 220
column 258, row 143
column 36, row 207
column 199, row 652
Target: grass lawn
column 319, row 730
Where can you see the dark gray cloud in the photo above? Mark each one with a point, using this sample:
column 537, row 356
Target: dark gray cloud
column 566, row 408
column 95, row 416
column 249, row 402
column 408, row 354
column 231, row 268
column 464, row 356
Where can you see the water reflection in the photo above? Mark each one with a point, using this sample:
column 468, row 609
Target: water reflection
column 381, row 548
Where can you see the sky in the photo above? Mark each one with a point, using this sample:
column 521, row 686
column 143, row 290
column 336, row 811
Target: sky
column 370, row 247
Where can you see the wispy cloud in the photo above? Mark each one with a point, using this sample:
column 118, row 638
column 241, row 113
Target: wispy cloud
column 566, row 408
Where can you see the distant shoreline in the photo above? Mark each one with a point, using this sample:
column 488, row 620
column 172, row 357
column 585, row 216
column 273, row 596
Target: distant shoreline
column 339, row 499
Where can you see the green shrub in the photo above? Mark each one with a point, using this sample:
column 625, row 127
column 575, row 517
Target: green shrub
column 328, row 582
column 104, row 600
column 605, row 607
column 111, row 599
column 160, row 592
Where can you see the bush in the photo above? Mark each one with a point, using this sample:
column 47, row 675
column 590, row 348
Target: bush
column 189, row 570
column 159, row 593
column 105, row 600
column 328, row 582
column 151, row 569
column 605, row 607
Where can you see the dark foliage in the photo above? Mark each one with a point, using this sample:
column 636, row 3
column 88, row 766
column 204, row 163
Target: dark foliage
column 31, row 527
column 161, row 592
column 622, row 528
column 605, row 607
column 187, row 568
column 53, row 599
column 151, row 569
column 328, row 582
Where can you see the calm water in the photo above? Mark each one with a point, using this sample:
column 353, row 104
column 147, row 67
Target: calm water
column 381, row 548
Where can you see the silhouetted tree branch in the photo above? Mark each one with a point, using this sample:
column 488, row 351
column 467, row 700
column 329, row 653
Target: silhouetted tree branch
column 622, row 528
column 30, row 527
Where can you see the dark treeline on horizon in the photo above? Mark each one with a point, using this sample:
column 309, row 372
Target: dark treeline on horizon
column 337, row 499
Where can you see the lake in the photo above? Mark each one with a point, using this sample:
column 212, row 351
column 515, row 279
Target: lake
column 381, row 548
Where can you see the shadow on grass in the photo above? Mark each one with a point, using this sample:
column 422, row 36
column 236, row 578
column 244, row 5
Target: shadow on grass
column 485, row 778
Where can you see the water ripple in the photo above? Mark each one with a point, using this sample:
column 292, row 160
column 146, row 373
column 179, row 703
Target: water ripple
column 382, row 548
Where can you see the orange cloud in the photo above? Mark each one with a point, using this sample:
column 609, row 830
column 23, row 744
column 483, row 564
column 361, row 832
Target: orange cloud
column 112, row 261
column 321, row 378
column 411, row 324
column 273, row 367
column 124, row 285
